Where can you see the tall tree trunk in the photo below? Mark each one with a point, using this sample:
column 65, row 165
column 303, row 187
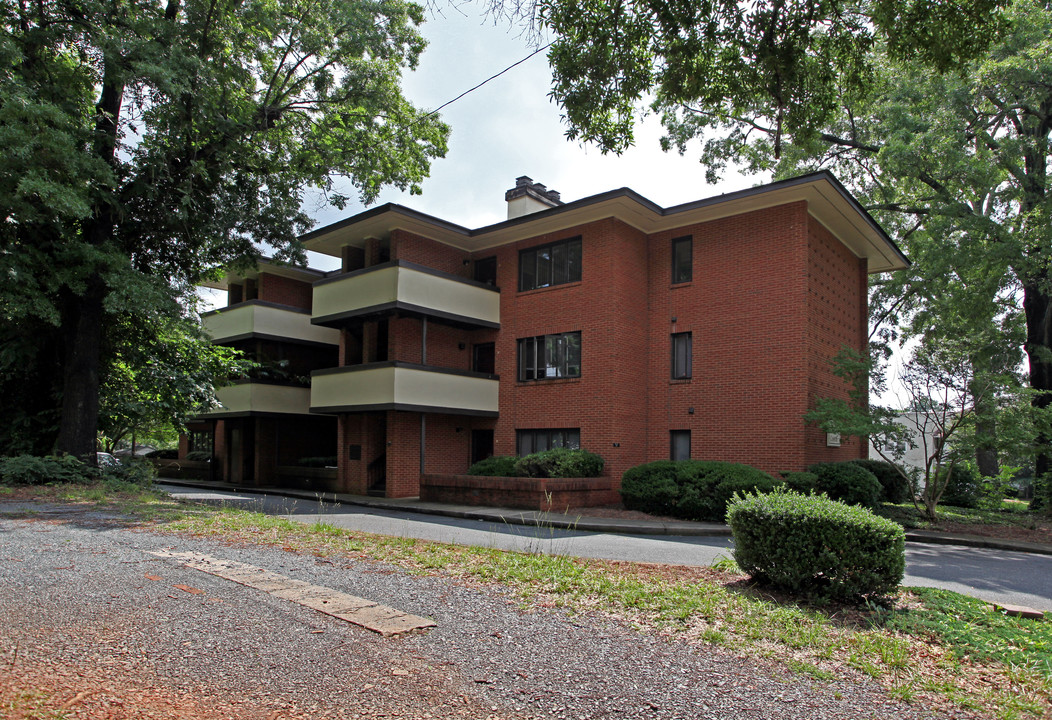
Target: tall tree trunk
column 83, row 315
column 82, row 335
column 1037, row 305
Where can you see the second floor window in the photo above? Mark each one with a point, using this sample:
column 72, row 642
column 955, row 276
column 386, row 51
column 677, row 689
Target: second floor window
column 550, row 356
column 681, row 351
column 548, row 265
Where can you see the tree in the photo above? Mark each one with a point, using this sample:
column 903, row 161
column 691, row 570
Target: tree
column 166, row 139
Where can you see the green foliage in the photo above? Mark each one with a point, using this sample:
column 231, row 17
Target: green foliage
column 199, row 456
column 962, row 486
column 972, row 629
column 150, row 143
column 495, row 466
column 691, row 489
column 801, row 482
column 139, row 472
column 896, row 487
column 847, row 482
column 813, row 546
column 560, row 463
column 34, row 470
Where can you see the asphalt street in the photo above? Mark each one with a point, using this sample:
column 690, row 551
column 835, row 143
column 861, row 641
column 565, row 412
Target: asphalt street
column 994, row 575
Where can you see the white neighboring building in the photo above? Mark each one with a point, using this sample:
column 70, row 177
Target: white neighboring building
column 921, row 442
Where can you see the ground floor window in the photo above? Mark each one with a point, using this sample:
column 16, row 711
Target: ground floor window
column 679, row 445
column 531, row 441
column 200, row 441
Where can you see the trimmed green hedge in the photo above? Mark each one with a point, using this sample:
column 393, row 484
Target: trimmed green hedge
column 964, row 488
column 495, row 466
column 690, row 489
column 560, row 463
column 810, row 545
column 847, row 482
column 896, row 487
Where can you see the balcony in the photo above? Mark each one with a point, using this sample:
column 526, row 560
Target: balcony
column 403, row 386
column 254, row 398
column 408, row 288
column 257, row 319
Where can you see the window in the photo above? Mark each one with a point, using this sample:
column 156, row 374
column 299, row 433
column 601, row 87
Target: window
column 550, row 356
column 679, row 445
column 485, row 270
column 548, row 265
column 483, row 358
column 531, row 441
column 682, row 260
column 681, row 351
column 200, row 441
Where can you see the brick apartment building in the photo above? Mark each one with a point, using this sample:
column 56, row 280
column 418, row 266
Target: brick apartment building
column 638, row 332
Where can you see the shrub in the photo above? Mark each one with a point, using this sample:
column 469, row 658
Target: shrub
column 810, row 545
column 495, row 466
column 172, row 454
column 317, row 462
column 964, row 488
column 35, row 470
column 804, row 483
column 651, row 487
column 691, row 489
column 560, row 463
column 847, row 482
column 896, row 488
column 198, row 455
column 135, row 471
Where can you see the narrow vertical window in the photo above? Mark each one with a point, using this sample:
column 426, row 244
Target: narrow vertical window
column 681, row 356
column 682, row 260
column 679, row 445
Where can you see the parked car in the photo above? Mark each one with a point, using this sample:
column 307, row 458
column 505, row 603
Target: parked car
column 105, row 461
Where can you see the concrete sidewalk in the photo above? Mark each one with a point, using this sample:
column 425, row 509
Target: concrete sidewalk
column 570, row 521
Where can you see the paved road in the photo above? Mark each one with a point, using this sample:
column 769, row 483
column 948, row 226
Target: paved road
column 994, row 575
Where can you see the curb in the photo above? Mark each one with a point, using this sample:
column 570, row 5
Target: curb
column 601, row 525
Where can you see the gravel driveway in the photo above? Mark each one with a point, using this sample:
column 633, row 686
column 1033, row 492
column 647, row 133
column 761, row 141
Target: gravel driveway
column 109, row 631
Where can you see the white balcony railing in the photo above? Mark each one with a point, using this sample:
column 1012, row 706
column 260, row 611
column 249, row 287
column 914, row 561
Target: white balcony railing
column 247, row 398
column 254, row 319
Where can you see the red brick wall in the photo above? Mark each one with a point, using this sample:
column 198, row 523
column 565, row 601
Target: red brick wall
column 285, row 291
column 424, row 251
column 837, row 317
column 745, row 308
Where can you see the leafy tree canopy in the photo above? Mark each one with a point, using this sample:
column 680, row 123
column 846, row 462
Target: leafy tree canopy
column 168, row 139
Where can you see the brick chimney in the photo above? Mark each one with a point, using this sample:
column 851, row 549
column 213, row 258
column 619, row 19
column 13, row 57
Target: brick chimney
column 529, row 197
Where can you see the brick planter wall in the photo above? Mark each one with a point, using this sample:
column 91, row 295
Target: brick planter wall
column 554, row 494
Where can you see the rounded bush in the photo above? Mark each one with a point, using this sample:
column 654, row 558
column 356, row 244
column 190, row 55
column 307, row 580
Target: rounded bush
column 964, row 488
column 690, row 489
column 810, row 545
column 896, row 488
column 805, row 483
column 847, row 482
column 650, row 488
column 495, row 466
column 560, row 463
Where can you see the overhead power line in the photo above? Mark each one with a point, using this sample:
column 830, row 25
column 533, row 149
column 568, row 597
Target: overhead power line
column 491, row 77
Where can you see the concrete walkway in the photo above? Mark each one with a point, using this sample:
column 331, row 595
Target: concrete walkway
column 569, row 521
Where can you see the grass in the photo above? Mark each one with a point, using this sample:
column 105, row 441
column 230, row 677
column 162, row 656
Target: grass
column 1011, row 513
column 934, row 648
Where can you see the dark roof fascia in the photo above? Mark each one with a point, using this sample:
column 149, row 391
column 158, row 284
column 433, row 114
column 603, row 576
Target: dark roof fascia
column 623, row 192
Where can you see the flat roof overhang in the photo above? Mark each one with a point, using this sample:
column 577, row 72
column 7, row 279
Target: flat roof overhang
column 828, row 201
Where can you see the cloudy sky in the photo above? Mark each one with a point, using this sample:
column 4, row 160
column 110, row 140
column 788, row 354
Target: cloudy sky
column 509, row 128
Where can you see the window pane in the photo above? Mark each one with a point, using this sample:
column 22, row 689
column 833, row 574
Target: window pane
column 528, row 270
column 682, row 260
column 559, row 264
column 573, row 260
column 681, row 355
column 525, row 442
column 573, row 439
column 680, row 445
column 540, row 441
column 558, row 439
column 573, row 354
column 544, row 267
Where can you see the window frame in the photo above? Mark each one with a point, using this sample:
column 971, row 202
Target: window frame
column 566, row 274
column 678, row 372
column 529, row 352
column 571, row 439
column 679, row 277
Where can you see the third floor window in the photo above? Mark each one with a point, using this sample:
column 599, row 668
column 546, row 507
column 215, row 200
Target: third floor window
column 548, row 265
